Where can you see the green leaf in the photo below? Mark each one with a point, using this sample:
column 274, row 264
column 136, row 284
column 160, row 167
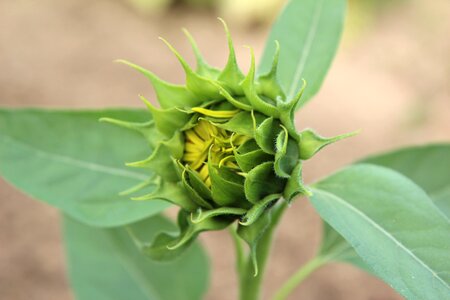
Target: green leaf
column 71, row 161
column 335, row 248
column 308, row 32
column 392, row 224
column 428, row 166
column 105, row 264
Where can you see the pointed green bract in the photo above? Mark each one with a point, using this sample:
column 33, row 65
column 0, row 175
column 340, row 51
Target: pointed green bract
column 151, row 182
column 248, row 156
column 197, row 183
column 294, row 185
column 269, row 85
column 231, row 75
column 146, row 128
column 203, row 68
column 188, row 233
column 167, row 121
column 200, row 216
column 226, row 187
column 200, row 200
column 157, row 250
column 311, row 142
column 252, row 234
column 240, row 102
column 286, row 155
column 160, row 161
column 241, row 123
column 250, row 91
column 258, row 209
column 170, row 192
column 169, row 95
column 261, row 181
column 266, row 134
column 202, row 87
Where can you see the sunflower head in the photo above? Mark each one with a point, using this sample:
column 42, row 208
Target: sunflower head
column 225, row 149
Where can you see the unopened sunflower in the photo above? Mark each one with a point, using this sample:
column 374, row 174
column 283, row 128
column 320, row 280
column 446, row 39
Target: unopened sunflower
column 227, row 149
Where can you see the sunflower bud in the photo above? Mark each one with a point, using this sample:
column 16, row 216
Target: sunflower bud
column 225, row 149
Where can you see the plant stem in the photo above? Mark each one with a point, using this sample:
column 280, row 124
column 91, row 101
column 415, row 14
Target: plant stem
column 299, row 277
column 240, row 260
column 250, row 285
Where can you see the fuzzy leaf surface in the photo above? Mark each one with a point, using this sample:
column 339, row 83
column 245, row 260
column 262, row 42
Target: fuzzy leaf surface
column 428, row 166
column 73, row 162
column 105, row 264
column 392, row 224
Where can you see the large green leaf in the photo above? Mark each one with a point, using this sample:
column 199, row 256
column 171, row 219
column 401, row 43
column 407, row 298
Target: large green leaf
column 71, row 161
column 428, row 166
column 335, row 248
column 308, row 32
column 392, row 224
column 105, row 264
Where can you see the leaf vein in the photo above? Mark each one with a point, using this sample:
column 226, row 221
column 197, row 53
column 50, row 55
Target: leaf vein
column 95, row 167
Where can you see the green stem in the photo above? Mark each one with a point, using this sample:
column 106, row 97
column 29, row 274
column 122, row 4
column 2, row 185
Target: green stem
column 299, row 277
column 238, row 249
column 250, row 285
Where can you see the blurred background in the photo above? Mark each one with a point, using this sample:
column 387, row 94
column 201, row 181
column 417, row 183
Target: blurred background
column 390, row 79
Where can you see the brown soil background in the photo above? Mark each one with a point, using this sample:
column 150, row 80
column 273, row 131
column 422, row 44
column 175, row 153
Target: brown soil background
column 390, row 79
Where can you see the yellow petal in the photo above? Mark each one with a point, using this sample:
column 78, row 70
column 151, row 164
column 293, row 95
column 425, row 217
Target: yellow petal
column 203, row 130
column 193, row 137
column 204, row 172
column 191, row 147
column 215, row 113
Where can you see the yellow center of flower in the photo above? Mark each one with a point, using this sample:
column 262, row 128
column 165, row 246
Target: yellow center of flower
column 206, row 142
